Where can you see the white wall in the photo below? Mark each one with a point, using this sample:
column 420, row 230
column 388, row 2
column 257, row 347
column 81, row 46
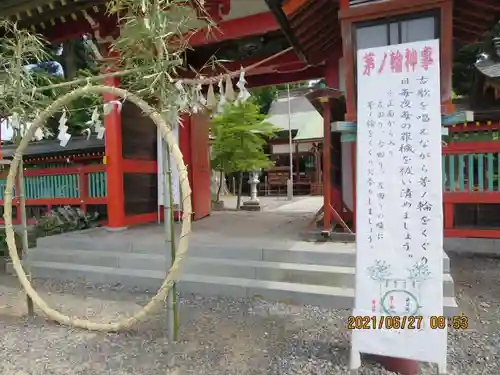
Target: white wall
column 284, row 148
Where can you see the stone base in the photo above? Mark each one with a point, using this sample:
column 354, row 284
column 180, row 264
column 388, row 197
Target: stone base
column 251, row 206
column 218, row 206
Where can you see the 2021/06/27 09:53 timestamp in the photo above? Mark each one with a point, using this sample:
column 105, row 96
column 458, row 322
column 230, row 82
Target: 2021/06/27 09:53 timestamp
column 407, row 322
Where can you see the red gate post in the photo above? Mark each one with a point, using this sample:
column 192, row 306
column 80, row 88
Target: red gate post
column 114, row 163
column 327, row 144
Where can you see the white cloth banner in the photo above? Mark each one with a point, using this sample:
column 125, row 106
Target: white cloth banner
column 173, row 167
column 399, row 239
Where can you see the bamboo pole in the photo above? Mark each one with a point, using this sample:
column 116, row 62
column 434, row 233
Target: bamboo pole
column 173, row 293
column 24, row 234
column 169, row 239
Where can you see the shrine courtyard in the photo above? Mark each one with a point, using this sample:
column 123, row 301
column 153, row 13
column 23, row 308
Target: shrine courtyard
column 228, row 335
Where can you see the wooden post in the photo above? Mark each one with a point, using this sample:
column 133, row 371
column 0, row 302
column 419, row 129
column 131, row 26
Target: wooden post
column 327, row 143
column 83, row 189
column 114, row 163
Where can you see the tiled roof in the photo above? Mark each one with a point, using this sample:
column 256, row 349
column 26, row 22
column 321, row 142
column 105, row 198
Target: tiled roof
column 52, row 147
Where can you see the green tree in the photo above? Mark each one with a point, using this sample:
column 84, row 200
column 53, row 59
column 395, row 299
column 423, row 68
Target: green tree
column 240, row 134
column 264, row 96
column 464, row 62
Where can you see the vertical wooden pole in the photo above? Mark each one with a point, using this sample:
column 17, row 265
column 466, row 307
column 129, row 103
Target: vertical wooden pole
column 114, row 162
column 327, row 144
column 168, row 220
column 446, row 36
column 24, row 233
column 84, row 189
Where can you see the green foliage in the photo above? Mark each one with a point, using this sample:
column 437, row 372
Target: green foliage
column 464, row 68
column 264, row 96
column 18, row 48
column 240, row 134
column 464, row 61
column 4, row 250
column 65, row 219
column 154, row 34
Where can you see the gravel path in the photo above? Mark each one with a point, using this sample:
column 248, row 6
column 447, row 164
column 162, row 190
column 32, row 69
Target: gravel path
column 224, row 336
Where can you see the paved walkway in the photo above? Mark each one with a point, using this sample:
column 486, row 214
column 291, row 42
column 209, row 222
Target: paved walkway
column 298, row 204
column 281, row 222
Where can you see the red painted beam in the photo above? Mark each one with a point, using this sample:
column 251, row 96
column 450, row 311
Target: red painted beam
column 60, row 201
column 278, row 79
column 471, row 147
column 287, row 61
column 141, row 219
column 472, row 127
column 139, row 166
column 256, row 24
column 472, row 197
column 472, row 233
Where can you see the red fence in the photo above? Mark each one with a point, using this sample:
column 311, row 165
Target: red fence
column 471, row 187
column 45, row 188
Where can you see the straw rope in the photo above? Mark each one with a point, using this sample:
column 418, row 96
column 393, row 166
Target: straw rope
column 172, row 274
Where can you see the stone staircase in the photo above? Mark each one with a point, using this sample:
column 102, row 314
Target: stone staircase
column 305, row 273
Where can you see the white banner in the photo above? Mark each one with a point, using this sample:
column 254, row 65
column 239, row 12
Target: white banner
column 399, row 239
column 173, row 166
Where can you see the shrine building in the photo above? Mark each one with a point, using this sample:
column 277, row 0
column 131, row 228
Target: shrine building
column 295, row 40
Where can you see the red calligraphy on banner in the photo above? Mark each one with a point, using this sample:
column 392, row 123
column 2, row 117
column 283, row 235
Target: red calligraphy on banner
column 369, row 59
column 411, row 59
column 396, row 62
column 382, row 66
column 426, row 59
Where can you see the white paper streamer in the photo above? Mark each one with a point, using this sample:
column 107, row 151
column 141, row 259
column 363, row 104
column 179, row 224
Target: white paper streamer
column 243, row 95
column 222, row 98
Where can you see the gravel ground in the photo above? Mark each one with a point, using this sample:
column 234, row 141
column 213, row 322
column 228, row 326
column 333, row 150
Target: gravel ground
column 224, row 336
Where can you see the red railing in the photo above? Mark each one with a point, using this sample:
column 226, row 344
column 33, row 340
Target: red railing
column 470, row 176
column 75, row 186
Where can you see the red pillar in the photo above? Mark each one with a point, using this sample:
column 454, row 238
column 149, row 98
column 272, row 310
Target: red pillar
column 327, row 143
column 114, row 162
column 332, row 80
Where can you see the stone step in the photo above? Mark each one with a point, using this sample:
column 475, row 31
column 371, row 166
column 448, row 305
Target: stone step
column 340, row 276
column 284, row 272
column 326, row 254
column 153, row 262
column 292, row 293
column 133, row 278
column 302, row 294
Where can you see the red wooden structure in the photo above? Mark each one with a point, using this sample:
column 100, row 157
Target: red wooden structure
column 323, row 36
